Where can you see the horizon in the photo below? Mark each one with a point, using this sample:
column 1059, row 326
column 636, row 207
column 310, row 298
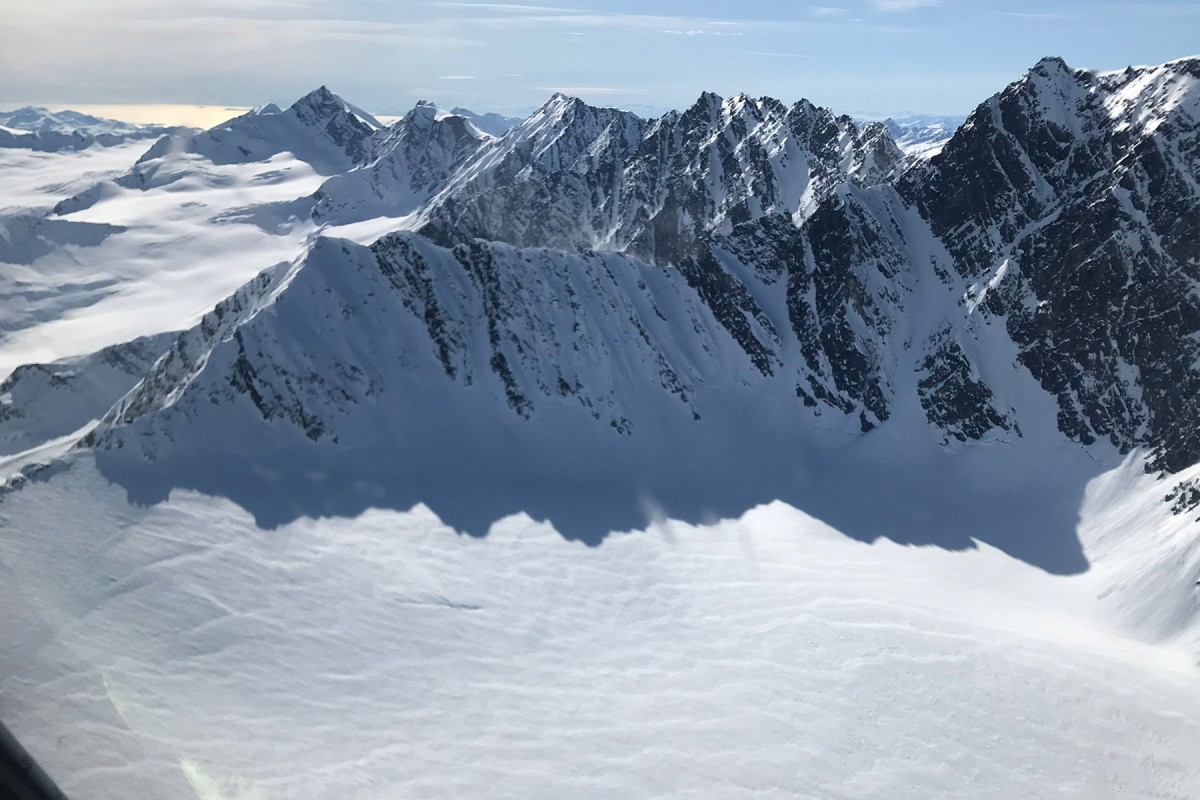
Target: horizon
column 211, row 115
column 865, row 57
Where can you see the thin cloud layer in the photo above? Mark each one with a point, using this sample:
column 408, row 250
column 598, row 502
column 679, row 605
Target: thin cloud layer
column 879, row 55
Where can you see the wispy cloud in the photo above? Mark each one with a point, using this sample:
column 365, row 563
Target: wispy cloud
column 580, row 90
column 777, row 55
column 458, row 77
column 828, row 12
column 1035, row 14
column 903, row 5
column 697, row 32
column 511, row 8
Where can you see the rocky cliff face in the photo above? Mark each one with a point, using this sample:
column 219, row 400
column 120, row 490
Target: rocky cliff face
column 580, row 178
column 1069, row 200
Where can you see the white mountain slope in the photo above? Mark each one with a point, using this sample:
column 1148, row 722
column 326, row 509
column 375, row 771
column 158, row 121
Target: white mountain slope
column 495, row 369
column 320, row 129
column 46, row 408
column 411, row 161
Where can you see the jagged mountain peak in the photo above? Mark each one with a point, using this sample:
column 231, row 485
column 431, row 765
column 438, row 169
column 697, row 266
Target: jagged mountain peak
column 706, row 110
column 424, row 113
column 1051, row 65
column 583, row 177
column 318, row 96
column 322, row 105
column 1061, row 200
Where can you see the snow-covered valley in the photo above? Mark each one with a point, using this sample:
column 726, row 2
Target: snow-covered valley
column 734, row 453
column 180, row 646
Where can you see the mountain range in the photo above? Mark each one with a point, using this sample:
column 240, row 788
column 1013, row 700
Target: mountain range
column 258, row 341
column 627, row 279
column 43, row 130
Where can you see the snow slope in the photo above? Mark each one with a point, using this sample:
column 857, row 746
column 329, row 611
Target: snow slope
column 385, row 656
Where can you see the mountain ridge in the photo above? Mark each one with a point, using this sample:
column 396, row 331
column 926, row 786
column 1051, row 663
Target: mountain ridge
column 931, row 302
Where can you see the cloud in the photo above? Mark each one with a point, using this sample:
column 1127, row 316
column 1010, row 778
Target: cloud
column 903, row 5
column 511, row 8
column 695, row 32
column 579, row 90
column 458, row 77
column 1035, row 14
column 777, row 55
column 828, row 12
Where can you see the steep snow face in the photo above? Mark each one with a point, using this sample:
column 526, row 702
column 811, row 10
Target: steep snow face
column 320, row 129
column 413, row 159
column 46, row 408
column 475, row 378
column 1067, row 200
column 578, row 178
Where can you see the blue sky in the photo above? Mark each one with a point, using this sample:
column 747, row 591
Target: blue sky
column 865, row 56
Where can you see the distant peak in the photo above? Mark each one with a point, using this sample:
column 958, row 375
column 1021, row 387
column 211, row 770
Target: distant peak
column 804, row 107
column 707, row 104
column 425, row 113
column 1052, row 64
column 558, row 99
column 321, row 96
column 560, row 103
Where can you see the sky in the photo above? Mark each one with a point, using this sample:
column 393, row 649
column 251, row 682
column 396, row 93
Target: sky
column 870, row 57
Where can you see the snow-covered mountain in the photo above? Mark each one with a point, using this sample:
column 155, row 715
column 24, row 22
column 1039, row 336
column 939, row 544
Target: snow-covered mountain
column 56, row 131
column 739, row 259
column 41, row 120
column 319, row 128
column 578, row 177
column 1066, row 201
column 410, row 162
column 922, row 135
column 490, row 122
column 611, row 323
